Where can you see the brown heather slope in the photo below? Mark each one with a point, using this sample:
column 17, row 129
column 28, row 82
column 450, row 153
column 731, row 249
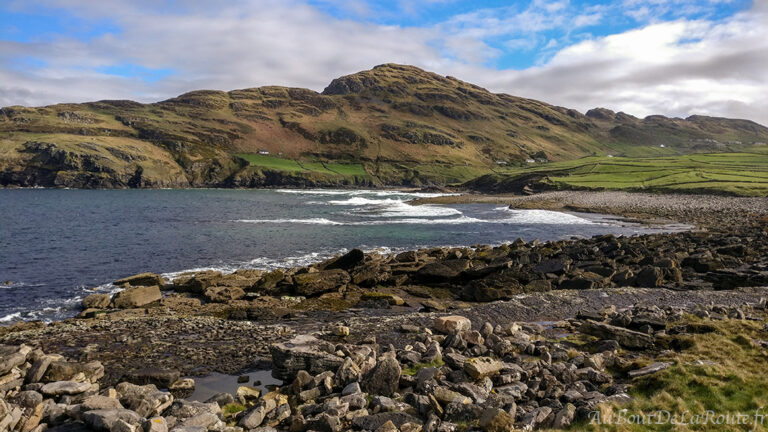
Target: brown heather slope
column 397, row 125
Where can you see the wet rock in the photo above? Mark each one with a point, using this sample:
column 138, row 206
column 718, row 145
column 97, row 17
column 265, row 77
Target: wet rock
column 137, row 297
column 650, row 277
column 312, row 284
column 554, row 266
column 441, row 271
column 347, row 261
column 142, row 279
column 96, row 301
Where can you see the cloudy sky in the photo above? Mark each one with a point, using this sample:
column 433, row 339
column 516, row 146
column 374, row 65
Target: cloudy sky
column 673, row 57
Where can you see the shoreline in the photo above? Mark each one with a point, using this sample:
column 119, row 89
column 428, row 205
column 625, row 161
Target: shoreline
column 561, row 301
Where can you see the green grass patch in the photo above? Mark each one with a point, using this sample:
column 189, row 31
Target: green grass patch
column 744, row 173
column 413, row 370
column 719, row 373
column 233, row 408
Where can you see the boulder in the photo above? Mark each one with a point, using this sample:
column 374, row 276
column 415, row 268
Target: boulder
column 554, row 266
column 442, row 271
column 223, row 294
column 650, row 277
column 452, row 324
column 384, row 379
column 496, row 420
column 197, row 283
column 627, row 338
column 142, row 279
column 146, row 400
column 347, row 261
column 481, row 367
column 375, row 421
column 65, row 371
column 301, row 353
column 39, row 368
column 106, row 420
column 98, row 402
column 312, row 284
column 12, row 356
column 137, row 297
column 96, row 301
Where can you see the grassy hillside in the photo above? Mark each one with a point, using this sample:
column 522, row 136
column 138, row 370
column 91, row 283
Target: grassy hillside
column 744, row 173
column 392, row 125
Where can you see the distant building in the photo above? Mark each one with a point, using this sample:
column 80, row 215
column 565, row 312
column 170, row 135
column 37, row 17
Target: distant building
column 610, row 156
column 501, row 162
column 662, row 146
column 530, row 161
column 263, row 152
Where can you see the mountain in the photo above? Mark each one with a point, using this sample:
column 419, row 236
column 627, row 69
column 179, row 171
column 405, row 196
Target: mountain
column 392, row 125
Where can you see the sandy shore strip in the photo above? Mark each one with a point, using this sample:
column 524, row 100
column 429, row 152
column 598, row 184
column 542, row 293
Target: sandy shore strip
column 704, row 210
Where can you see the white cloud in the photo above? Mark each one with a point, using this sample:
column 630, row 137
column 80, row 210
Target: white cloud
column 674, row 68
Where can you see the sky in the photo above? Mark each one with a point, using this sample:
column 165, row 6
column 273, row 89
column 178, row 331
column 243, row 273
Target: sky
column 643, row 57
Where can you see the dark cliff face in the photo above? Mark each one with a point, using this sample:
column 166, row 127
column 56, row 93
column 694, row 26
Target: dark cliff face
column 401, row 124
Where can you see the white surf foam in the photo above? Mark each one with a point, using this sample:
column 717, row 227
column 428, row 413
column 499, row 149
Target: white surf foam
column 544, row 217
column 11, row 317
column 362, row 192
column 309, row 221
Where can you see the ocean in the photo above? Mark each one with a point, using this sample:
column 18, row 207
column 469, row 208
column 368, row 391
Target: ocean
column 57, row 246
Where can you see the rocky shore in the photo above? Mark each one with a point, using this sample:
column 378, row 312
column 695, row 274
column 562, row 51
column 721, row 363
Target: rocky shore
column 521, row 335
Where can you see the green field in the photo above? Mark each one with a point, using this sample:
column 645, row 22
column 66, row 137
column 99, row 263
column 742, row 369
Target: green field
column 744, row 173
column 282, row 164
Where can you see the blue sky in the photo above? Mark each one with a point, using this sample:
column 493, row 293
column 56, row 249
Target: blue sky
column 588, row 52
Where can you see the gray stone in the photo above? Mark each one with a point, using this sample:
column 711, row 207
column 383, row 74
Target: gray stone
column 104, row 420
column 65, row 388
column 627, row 338
column 301, row 353
column 384, row 378
column 650, row 369
column 162, row 378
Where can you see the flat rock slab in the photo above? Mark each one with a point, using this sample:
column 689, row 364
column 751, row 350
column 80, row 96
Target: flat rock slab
column 650, row 369
column 65, row 388
column 301, row 353
column 627, row 338
column 162, row 378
